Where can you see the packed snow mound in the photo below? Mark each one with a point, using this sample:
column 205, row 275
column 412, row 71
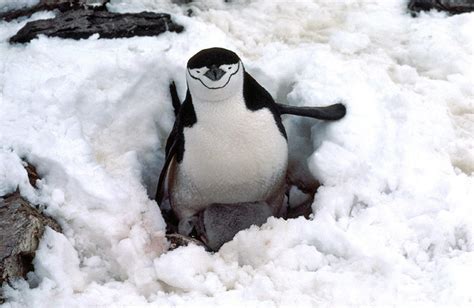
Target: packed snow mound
column 392, row 223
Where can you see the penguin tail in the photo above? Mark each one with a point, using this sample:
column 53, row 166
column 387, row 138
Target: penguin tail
column 175, row 98
column 330, row 113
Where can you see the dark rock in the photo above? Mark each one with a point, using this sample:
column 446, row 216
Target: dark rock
column 181, row 1
column 450, row 6
column 32, row 175
column 79, row 24
column 21, row 227
column 50, row 5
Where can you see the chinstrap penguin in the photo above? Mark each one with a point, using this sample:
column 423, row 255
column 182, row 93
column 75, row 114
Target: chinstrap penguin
column 228, row 146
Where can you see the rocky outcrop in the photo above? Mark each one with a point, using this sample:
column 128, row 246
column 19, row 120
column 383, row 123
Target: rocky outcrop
column 21, row 228
column 79, row 24
column 450, row 6
column 50, row 5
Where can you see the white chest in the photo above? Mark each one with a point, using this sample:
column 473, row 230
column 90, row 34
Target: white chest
column 231, row 154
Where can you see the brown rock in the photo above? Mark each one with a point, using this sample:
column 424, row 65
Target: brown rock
column 21, row 227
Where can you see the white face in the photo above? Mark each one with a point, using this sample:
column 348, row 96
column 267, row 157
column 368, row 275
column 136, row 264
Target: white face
column 216, row 83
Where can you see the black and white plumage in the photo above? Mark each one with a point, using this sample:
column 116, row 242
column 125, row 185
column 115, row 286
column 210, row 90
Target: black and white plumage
column 228, row 144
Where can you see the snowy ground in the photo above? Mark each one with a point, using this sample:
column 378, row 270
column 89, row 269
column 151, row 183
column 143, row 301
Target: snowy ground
column 393, row 223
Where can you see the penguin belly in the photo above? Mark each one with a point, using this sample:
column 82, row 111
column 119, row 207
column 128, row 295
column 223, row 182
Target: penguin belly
column 231, row 155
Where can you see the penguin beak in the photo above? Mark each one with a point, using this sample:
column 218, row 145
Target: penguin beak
column 214, row 73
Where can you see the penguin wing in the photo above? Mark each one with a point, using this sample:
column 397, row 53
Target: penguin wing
column 331, row 112
column 175, row 98
column 185, row 117
column 257, row 97
column 170, row 152
column 171, row 144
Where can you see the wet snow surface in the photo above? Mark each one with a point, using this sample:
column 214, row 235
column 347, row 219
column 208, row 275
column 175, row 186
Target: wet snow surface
column 392, row 222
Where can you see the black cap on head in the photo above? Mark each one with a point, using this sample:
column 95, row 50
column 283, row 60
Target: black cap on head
column 211, row 56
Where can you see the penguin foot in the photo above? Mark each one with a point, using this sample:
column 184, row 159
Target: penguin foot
column 300, row 198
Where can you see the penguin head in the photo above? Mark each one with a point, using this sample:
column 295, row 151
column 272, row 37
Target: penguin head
column 214, row 74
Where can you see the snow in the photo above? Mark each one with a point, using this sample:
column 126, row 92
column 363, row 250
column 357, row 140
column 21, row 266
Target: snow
column 392, row 223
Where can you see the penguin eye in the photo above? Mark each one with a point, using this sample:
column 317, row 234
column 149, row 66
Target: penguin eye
column 199, row 72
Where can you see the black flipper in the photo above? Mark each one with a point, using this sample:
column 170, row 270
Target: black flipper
column 160, row 190
column 185, row 117
column 332, row 112
column 171, row 145
column 175, row 98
